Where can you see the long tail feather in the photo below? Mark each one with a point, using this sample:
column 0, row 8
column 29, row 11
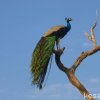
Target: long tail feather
column 49, row 69
column 40, row 59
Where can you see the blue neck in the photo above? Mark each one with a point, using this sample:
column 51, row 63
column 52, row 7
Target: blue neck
column 68, row 26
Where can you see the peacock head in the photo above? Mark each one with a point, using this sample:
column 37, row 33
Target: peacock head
column 68, row 19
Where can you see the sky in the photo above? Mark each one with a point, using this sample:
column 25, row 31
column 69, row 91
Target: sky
column 22, row 23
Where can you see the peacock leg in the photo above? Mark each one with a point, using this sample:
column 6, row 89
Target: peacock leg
column 58, row 43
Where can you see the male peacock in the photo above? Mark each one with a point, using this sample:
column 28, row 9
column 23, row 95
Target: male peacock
column 43, row 51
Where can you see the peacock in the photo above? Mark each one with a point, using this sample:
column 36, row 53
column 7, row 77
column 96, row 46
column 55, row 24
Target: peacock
column 43, row 51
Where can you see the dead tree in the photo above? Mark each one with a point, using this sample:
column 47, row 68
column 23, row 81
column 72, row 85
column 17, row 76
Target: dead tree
column 70, row 72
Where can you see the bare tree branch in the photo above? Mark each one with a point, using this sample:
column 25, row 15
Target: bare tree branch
column 83, row 55
column 70, row 72
column 92, row 37
column 88, row 36
column 58, row 62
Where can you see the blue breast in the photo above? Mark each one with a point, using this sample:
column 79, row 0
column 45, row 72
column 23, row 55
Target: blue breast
column 65, row 30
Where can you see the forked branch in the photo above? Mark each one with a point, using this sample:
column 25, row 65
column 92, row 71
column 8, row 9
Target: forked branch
column 92, row 36
column 70, row 72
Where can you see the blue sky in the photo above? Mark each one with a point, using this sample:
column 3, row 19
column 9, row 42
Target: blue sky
column 22, row 23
